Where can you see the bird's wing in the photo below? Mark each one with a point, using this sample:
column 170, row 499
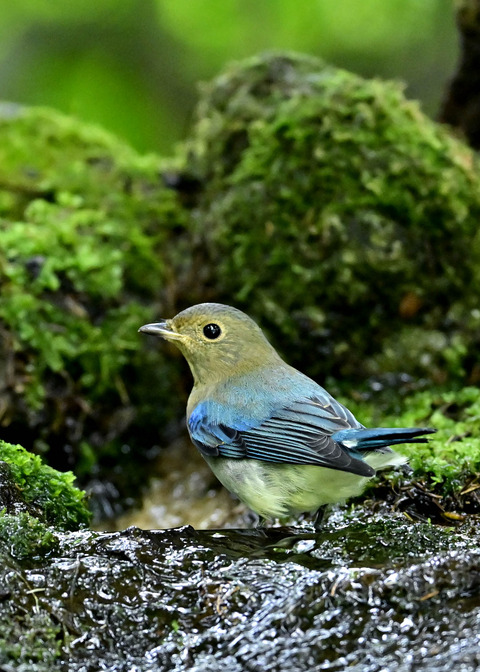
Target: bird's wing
column 297, row 434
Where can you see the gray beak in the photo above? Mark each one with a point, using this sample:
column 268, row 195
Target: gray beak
column 161, row 329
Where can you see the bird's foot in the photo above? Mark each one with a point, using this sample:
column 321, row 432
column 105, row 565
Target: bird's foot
column 320, row 517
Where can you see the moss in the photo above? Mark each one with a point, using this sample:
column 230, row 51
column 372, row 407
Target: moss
column 30, row 641
column 55, row 499
column 451, row 458
column 326, row 206
column 84, row 222
column 25, row 537
column 342, row 218
column 455, row 449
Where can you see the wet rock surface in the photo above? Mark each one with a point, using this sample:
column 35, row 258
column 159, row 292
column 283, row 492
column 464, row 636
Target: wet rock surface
column 369, row 592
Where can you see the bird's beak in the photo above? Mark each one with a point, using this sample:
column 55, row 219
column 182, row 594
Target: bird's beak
column 162, row 329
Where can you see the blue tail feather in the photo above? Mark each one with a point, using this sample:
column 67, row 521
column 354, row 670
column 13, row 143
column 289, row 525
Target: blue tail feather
column 361, row 439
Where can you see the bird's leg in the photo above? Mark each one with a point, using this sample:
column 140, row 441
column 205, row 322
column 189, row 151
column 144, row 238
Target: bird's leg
column 319, row 517
column 261, row 523
column 256, row 521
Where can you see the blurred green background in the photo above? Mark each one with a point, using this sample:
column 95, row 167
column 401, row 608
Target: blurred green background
column 133, row 65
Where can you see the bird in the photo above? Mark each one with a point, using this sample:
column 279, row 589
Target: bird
column 271, row 435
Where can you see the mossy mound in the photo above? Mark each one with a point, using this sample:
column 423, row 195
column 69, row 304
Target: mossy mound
column 35, row 502
column 454, row 451
column 30, row 487
column 446, row 470
column 333, row 211
column 455, row 448
column 327, row 207
column 84, row 222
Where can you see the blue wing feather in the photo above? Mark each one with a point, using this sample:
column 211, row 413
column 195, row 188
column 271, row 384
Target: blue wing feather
column 298, row 434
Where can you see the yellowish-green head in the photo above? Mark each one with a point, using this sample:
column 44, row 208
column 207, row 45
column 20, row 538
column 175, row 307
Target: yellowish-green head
column 216, row 340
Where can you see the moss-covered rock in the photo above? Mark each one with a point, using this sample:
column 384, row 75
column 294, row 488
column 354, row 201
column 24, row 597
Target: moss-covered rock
column 41, row 492
column 25, row 538
column 29, row 640
column 450, row 453
column 84, row 222
column 36, row 502
column 326, row 206
column 330, row 208
column 454, row 451
column 446, row 470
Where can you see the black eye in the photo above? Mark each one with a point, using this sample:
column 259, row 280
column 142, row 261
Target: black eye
column 211, row 331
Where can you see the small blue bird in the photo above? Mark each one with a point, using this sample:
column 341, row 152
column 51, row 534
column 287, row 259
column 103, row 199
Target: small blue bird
column 271, row 435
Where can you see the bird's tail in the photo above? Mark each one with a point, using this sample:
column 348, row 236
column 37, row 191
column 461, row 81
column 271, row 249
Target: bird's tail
column 364, row 440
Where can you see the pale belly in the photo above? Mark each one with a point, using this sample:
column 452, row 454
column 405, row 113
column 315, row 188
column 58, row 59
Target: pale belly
column 275, row 490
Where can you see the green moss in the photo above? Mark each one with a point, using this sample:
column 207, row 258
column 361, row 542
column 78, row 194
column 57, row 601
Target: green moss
column 339, row 216
column 452, row 455
column 84, row 222
column 25, row 537
column 30, row 641
column 55, row 498
column 326, row 206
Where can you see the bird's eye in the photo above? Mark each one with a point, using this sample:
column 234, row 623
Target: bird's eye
column 211, row 331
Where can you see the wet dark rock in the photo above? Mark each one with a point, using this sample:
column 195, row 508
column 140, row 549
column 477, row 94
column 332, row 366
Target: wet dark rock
column 365, row 594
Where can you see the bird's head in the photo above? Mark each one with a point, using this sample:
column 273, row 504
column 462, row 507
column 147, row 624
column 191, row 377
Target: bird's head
column 216, row 340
